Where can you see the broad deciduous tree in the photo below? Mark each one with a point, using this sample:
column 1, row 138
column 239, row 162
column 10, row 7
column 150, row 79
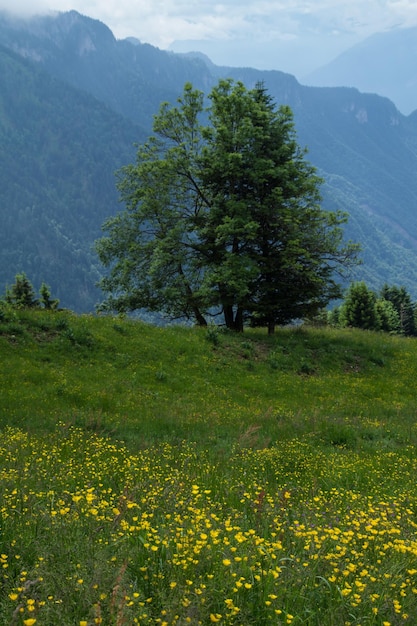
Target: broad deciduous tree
column 223, row 215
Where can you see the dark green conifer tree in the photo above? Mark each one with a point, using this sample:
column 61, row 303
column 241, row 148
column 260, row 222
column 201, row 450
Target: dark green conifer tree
column 359, row 308
column 21, row 295
column 406, row 309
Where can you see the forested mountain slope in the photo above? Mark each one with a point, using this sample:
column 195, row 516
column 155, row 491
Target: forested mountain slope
column 61, row 145
column 59, row 150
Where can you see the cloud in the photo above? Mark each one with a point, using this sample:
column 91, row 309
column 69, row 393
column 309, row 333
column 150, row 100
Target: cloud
column 24, row 7
column 162, row 22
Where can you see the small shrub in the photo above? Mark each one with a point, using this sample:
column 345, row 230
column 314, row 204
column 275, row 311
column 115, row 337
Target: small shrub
column 79, row 337
column 22, row 295
column 212, row 335
column 12, row 329
column 62, row 324
column 6, row 313
column 306, row 369
column 339, row 435
column 161, row 376
column 248, row 345
column 273, row 361
column 46, row 300
column 120, row 329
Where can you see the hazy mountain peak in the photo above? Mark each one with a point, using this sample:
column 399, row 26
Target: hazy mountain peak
column 69, row 31
column 384, row 63
column 74, row 24
column 133, row 40
column 198, row 55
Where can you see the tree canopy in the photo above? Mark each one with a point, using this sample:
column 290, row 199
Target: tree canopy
column 21, row 295
column 391, row 310
column 223, row 217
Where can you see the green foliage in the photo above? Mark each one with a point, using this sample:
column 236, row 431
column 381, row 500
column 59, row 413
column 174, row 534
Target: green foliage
column 21, row 295
column 223, row 217
column 387, row 315
column 339, row 434
column 213, row 335
column 359, row 309
column 9, row 321
column 404, row 307
column 48, row 302
column 391, row 311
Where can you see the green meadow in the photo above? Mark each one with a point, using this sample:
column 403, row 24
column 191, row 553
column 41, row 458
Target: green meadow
column 179, row 475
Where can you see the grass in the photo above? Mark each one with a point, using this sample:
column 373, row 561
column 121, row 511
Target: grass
column 191, row 476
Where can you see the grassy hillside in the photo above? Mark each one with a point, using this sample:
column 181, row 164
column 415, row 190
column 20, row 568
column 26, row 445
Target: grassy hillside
column 188, row 476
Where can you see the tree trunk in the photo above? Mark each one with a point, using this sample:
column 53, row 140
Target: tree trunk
column 239, row 320
column 271, row 327
column 199, row 318
column 233, row 321
column 228, row 317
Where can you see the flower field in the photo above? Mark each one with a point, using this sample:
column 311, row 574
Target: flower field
column 158, row 476
column 92, row 533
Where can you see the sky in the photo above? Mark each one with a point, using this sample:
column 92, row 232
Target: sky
column 295, row 36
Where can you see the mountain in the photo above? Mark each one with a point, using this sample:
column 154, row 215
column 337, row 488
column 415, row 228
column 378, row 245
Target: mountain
column 130, row 77
column 384, row 63
column 75, row 101
column 59, row 150
column 71, row 104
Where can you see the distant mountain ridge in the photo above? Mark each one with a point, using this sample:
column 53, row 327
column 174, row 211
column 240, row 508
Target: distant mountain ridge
column 131, row 78
column 384, row 63
column 76, row 100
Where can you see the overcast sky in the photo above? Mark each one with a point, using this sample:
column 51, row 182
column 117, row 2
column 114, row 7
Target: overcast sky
column 296, row 36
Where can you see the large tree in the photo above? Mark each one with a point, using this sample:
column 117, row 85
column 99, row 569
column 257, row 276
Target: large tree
column 223, row 216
